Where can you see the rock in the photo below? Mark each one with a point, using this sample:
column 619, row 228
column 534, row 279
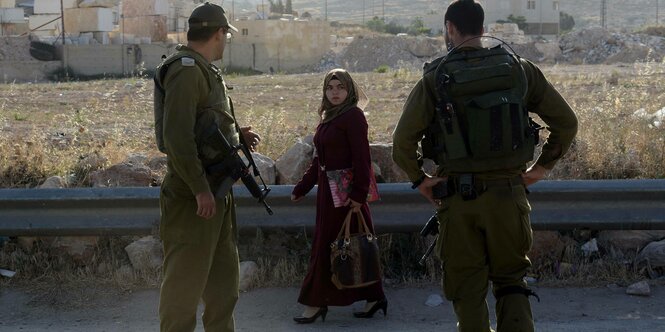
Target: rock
column 434, row 300
column 640, row 288
column 382, row 155
column 136, row 159
column 628, row 241
column 294, row 162
column 653, row 257
column 91, row 162
column 145, row 254
column 157, row 163
column 248, row 274
column 122, row 175
column 266, row 167
column 54, row 182
column 546, row 244
column 590, row 247
column 7, row 273
column 80, row 248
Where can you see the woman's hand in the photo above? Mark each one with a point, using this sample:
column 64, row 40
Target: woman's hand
column 355, row 206
column 295, row 198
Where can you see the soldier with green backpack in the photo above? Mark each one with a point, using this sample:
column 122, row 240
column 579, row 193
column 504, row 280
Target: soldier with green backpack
column 470, row 114
column 193, row 113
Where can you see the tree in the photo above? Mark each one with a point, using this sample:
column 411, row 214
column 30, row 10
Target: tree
column 418, row 27
column 566, row 22
column 276, row 7
column 289, row 7
column 376, row 24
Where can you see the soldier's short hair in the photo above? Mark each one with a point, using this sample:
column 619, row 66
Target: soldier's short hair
column 467, row 16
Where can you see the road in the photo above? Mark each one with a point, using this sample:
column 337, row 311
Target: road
column 270, row 309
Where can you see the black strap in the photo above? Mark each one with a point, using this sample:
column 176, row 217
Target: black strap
column 515, row 290
column 515, row 124
column 496, row 128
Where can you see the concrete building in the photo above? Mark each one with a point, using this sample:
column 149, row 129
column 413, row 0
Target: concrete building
column 542, row 16
column 283, row 45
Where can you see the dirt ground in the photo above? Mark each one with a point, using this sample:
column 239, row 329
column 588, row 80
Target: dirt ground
column 270, row 309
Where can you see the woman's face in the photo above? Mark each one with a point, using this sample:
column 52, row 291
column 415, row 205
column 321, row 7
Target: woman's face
column 336, row 92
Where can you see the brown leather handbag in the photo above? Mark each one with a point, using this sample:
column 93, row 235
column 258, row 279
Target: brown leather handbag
column 355, row 258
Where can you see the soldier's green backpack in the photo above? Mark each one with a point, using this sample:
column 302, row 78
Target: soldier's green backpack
column 481, row 121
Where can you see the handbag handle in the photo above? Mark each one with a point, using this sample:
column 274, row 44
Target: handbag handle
column 346, row 227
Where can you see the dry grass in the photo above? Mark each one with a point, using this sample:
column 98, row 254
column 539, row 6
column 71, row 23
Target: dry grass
column 47, row 128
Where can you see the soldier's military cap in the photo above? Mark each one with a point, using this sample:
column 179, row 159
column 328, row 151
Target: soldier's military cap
column 209, row 15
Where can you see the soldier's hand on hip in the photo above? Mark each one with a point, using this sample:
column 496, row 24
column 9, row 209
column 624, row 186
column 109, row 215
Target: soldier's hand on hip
column 206, row 207
column 425, row 189
column 534, row 174
column 253, row 139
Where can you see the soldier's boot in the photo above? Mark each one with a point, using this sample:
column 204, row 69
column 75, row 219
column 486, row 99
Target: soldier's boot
column 513, row 313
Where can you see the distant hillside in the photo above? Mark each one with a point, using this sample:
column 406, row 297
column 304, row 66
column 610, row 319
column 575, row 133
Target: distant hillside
column 620, row 14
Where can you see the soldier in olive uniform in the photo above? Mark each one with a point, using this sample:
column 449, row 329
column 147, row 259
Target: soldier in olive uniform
column 197, row 228
column 473, row 103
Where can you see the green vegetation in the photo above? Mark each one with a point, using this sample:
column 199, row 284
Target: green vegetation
column 566, row 22
column 416, row 28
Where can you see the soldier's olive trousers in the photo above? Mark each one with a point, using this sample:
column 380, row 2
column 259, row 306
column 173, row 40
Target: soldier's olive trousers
column 204, row 267
column 484, row 240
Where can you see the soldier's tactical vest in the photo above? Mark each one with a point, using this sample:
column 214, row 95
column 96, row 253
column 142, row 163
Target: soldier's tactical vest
column 216, row 110
column 481, row 121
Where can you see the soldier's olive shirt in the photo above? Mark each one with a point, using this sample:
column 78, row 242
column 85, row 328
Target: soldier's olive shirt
column 188, row 93
column 541, row 98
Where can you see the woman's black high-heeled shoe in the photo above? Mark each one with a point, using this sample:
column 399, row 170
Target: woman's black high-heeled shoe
column 383, row 305
column 323, row 311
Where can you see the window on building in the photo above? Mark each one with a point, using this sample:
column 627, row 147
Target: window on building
column 245, row 32
column 555, row 5
column 531, row 4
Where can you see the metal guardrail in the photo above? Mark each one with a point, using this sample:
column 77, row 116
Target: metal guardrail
column 557, row 205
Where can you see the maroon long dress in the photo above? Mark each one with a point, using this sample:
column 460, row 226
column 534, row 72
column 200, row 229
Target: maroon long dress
column 340, row 143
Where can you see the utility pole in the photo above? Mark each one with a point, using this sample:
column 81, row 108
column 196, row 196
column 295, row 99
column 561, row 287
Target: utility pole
column 657, row 12
column 64, row 47
column 603, row 13
column 363, row 12
column 383, row 10
column 325, row 9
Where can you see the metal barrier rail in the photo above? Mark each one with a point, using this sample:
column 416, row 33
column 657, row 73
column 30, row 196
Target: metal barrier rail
column 557, row 205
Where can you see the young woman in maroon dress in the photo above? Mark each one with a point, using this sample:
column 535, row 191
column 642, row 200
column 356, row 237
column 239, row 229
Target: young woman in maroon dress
column 341, row 142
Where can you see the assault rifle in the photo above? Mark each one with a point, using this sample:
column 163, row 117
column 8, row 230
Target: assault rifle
column 233, row 167
column 431, row 227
